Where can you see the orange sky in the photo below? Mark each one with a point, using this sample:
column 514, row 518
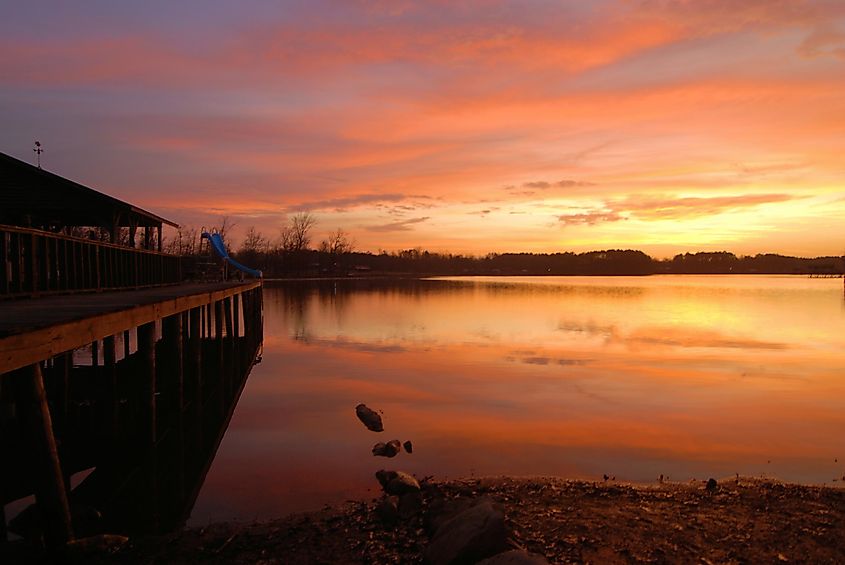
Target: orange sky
column 475, row 126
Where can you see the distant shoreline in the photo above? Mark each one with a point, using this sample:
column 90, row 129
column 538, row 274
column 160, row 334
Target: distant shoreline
column 412, row 276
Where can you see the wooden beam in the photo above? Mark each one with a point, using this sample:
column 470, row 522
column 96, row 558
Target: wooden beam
column 50, row 493
column 20, row 350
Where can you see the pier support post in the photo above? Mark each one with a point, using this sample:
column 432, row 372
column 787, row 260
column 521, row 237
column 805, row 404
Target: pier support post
column 126, row 348
column 110, row 398
column 171, row 335
column 50, row 492
column 146, row 350
column 208, row 320
column 236, row 315
column 229, row 343
column 195, row 351
column 222, row 375
column 61, row 402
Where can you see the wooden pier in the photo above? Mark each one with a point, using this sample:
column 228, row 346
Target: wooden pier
column 117, row 378
column 113, row 381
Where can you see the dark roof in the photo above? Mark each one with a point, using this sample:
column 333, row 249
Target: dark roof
column 35, row 197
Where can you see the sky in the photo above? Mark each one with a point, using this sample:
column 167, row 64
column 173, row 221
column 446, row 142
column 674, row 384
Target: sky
column 471, row 126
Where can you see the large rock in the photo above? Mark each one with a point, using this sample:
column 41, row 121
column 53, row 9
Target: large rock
column 409, row 447
column 474, row 534
column 389, row 449
column 397, row 482
column 388, row 511
column 369, row 417
column 410, row 504
column 515, row 557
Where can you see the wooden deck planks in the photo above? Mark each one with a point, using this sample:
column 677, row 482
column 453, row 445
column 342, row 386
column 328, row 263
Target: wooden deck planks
column 38, row 328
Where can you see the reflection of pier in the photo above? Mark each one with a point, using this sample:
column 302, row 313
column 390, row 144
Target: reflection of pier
column 135, row 387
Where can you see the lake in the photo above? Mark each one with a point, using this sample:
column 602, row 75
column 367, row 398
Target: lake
column 633, row 377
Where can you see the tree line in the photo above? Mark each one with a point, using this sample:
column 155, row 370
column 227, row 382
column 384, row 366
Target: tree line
column 292, row 254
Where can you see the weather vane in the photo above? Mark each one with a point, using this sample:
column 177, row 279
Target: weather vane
column 38, row 150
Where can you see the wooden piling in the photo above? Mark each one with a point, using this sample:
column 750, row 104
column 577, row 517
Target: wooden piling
column 229, row 346
column 227, row 315
column 147, row 374
column 95, row 354
column 195, row 351
column 195, row 356
column 49, row 485
column 111, row 400
column 222, row 376
column 61, row 403
column 208, row 320
column 171, row 335
column 237, row 314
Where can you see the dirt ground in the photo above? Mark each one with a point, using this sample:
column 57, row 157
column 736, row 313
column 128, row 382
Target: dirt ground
column 741, row 520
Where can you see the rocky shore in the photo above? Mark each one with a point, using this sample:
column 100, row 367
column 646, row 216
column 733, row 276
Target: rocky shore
column 536, row 520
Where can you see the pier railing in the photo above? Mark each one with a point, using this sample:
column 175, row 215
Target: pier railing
column 34, row 262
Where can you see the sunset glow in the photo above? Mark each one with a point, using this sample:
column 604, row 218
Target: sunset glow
column 469, row 126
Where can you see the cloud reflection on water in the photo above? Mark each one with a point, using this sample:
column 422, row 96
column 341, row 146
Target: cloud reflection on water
column 684, row 380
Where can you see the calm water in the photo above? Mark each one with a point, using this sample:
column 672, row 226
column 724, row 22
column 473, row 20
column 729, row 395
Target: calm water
column 684, row 376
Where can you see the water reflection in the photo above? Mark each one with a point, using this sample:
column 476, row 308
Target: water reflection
column 634, row 377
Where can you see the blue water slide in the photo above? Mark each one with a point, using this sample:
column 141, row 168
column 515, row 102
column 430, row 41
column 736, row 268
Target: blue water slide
column 216, row 241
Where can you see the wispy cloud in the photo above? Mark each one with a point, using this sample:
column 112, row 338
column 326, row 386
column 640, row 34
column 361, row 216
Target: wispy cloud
column 589, row 218
column 693, row 207
column 344, row 203
column 667, row 208
column 404, row 225
column 565, row 183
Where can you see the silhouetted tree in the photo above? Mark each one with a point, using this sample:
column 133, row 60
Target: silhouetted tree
column 296, row 236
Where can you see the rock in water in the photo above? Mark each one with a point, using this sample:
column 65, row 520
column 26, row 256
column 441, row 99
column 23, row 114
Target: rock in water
column 389, row 449
column 474, row 534
column 369, row 417
column 379, row 448
column 397, row 482
column 384, row 477
column 409, row 447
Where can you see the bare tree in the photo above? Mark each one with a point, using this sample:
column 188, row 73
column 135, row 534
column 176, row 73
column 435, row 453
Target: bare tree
column 254, row 242
column 337, row 243
column 226, row 225
column 296, row 236
column 184, row 242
